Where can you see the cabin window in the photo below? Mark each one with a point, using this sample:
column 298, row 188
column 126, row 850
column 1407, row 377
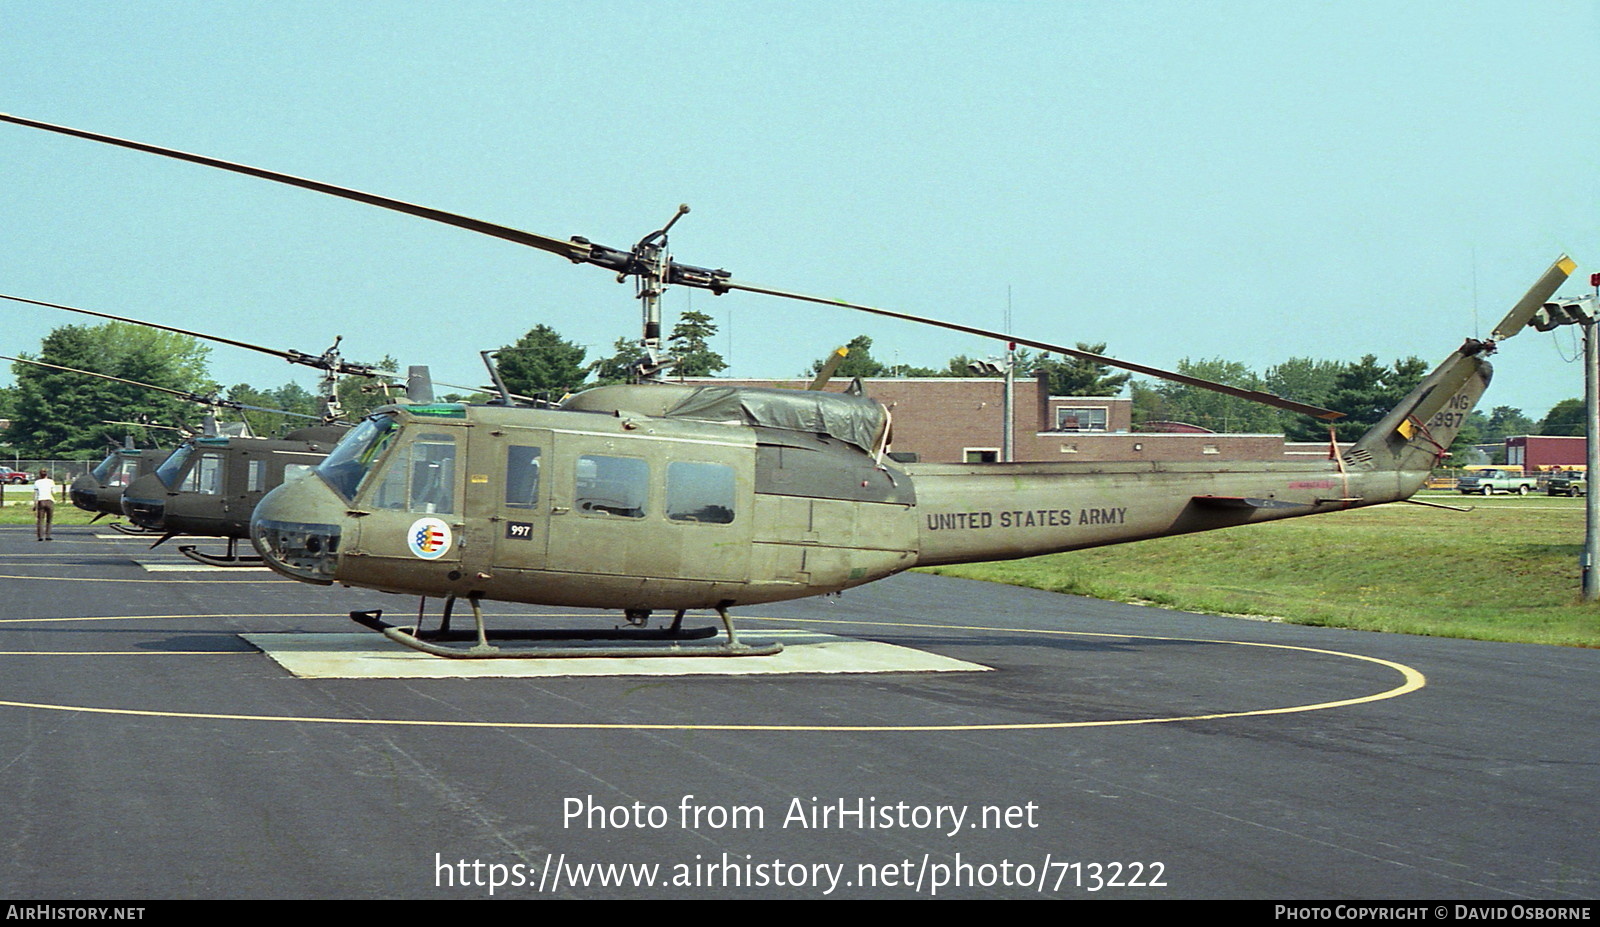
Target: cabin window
column 292, row 472
column 700, row 492
column 127, row 471
column 103, row 469
column 256, row 478
column 420, row 477
column 522, row 476
column 612, row 485
column 205, row 476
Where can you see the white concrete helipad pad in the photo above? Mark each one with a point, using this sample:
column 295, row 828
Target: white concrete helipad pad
column 371, row 656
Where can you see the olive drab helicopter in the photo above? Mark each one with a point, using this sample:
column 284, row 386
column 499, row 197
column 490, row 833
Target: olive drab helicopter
column 679, row 497
column 209, row 485
column 101, row 489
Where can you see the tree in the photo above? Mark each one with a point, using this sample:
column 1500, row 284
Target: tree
column 290, row 397
column 690, row 343
column 56, row 413
column 1366, row 390
column 542, row 361
column 360, row 395
column 1464, row 449
column 1564, row 418
column 621, row 366
column 1307, row 380
column 1505, row 422
column 1179, row 402
column 1073, row 376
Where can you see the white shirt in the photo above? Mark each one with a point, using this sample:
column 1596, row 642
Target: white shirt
column 43, row 489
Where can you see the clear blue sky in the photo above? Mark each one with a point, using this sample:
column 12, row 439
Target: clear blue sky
column 1251, row 181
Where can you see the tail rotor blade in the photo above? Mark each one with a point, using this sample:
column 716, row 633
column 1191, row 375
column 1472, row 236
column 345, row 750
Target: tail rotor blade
column 828, row 367
column 1522, row 313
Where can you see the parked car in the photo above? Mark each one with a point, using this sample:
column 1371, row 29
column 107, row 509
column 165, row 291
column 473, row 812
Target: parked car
column 1489, row 482
column 8, row 475
column 1567, row 484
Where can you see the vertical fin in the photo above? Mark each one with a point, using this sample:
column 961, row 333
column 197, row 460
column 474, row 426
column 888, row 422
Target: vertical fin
column 1415, row 435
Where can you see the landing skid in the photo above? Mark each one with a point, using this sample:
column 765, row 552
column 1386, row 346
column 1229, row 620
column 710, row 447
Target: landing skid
column 229, row 559
column 675, row 641
column 134, row 530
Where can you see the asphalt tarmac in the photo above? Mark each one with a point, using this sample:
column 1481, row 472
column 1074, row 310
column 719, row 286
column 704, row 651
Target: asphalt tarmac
column 149, row 751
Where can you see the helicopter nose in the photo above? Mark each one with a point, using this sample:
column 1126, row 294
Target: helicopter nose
column 85, row 492
column 144, row 501
column 295, row 529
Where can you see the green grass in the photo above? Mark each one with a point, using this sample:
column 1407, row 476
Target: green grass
column 1507, row 571
column 66, row 514
column 17, row 508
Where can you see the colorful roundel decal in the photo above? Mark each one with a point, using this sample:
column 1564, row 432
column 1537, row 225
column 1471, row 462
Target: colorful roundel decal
column 429, row 538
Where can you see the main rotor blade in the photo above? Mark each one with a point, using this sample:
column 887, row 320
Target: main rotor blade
column 1522, row 313
column 571, row 250
column 293, row 357
column 1240, row 392
column 182, row 394
column 217, row 401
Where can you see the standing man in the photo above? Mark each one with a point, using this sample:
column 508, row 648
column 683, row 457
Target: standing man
column 44, row 505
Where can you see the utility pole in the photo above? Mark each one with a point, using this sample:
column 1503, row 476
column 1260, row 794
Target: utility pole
column 1007, row 366
column 1591, row 445
column 1582, row 311
column 1009, row 438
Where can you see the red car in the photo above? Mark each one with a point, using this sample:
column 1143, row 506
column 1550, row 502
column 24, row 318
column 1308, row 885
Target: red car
column 8, row 475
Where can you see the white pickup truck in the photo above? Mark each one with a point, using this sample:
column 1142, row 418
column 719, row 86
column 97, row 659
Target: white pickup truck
column 1489, row 482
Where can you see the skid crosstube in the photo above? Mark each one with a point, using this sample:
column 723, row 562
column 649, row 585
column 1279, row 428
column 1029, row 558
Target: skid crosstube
column 673, row 642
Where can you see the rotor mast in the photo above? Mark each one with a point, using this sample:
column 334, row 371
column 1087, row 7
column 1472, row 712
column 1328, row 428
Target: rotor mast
column 652, row 263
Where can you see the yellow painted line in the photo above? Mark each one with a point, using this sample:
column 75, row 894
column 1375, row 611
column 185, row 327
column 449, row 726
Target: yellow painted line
column 226, row 615
column 1412, row 680
column 75, row 557
column 125, row 653
column 86, row 579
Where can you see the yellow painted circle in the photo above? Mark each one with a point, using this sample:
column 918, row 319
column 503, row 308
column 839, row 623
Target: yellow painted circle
column 1411, row 681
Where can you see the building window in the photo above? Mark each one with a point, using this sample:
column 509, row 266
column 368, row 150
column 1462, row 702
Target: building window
column 981, row 455
column 1210, row 449
column 1068, row 419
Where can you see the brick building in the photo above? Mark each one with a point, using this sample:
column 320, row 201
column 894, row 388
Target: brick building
column 959, row 419
column 1543, row 452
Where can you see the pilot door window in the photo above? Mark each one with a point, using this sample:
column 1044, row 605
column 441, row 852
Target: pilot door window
column 522, row 476
column 612, row 486
column 420, row 477
column 204, row 477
